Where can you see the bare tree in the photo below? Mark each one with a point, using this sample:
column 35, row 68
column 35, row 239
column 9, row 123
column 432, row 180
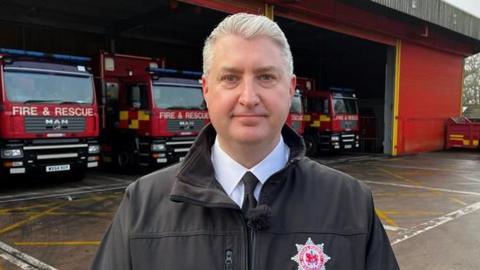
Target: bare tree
column 471, row 80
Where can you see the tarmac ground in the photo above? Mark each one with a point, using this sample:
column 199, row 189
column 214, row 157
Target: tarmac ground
column 429, row 204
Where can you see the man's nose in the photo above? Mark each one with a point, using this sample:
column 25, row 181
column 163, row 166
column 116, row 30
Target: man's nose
column 249, row 95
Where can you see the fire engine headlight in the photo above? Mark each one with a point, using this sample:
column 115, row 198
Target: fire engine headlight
column 158, row 147
column 94, row 149
column 12, row 153
column 335, row 138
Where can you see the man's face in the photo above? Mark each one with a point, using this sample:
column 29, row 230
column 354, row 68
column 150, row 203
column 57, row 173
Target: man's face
column 248, row 91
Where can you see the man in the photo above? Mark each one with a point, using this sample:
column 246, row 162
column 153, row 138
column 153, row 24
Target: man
column 245, row 197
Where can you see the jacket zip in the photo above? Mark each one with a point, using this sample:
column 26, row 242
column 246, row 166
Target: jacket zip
column 228, row 259
column 249, row 245
column 252, row 248
column 249, row 240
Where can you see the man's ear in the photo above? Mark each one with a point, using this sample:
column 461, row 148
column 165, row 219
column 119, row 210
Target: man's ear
column 293, row 85
column 205, row 88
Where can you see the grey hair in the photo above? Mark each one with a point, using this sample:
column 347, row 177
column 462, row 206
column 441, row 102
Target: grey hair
column 248, row 26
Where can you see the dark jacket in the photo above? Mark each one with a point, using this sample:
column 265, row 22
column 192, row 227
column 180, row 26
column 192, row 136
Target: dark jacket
column 181, row 218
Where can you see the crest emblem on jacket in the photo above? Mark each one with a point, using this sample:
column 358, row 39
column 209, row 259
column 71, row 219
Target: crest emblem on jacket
column 311, row 256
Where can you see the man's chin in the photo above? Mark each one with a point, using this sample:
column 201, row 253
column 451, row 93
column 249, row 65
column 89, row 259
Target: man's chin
column 250, row 136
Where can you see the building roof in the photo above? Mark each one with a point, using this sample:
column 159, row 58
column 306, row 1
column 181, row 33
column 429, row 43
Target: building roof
column 438, row 12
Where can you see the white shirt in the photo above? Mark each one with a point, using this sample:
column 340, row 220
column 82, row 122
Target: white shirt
column 229, row 172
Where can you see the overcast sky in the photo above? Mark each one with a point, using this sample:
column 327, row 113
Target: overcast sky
column 470, row 6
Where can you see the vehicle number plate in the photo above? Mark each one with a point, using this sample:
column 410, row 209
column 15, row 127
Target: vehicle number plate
column 348, row 146
column 58, row 168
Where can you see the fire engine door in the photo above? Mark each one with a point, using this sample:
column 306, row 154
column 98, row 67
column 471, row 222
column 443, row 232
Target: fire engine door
column 318, row 111
column 135, row 112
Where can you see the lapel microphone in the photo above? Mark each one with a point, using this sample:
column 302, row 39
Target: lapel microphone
column 258, row 218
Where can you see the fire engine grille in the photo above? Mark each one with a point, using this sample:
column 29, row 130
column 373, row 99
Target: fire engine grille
column 185, row 125
column 349, row 124
column 54, row 124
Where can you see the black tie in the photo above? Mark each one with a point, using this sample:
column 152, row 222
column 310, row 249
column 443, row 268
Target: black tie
column 250, row 181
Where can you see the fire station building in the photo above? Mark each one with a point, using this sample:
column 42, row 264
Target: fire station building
column 404, row 58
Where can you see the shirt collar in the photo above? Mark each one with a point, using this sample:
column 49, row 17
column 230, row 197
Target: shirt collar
column 228, row 172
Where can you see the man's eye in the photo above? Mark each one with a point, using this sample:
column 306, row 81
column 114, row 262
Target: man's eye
column 266, row 77
column 229, row 78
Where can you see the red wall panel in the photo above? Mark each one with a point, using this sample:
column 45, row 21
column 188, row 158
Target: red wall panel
column 430, row 92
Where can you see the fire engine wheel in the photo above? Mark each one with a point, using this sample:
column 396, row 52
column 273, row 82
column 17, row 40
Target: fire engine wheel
column 311, row 145
column 124, row 159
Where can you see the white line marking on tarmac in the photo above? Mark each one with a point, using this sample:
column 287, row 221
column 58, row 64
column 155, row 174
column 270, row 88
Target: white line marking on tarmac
column 24, row 257
column 17, row 262
column 393, row 228
column 422, row 187
column 431, row 224
column 115, row 179
column 466, row 183
column 470, row 178
column 61, row 193
column 419, row 168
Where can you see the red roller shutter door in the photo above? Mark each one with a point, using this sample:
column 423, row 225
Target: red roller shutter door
column 430, row 92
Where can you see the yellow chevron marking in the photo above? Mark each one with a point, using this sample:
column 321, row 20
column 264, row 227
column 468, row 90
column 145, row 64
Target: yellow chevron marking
column 142, row 116
column 325, row 118
column 123, row 115
column 133, row 124
column 315, row 124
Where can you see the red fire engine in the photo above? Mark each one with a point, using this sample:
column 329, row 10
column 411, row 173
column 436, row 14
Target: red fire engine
column 295, row 117
column 330, row 118
column 48, row 114
column 151, row 114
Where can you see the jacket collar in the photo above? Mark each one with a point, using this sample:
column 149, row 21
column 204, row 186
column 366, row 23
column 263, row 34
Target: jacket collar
column 196, row 181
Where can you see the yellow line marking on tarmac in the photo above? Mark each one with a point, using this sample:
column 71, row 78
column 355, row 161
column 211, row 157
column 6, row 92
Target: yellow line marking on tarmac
column 457, row 201
column 410, row 181
column 22, row 260
column 412, row 213
column 66, row 243
column 419, row 168
column 45, row 205
column 383, row 216
column 73, row 213
column 20, row 208
column 81, row 213
column 442, row 190
column 95, row 198
column 31, row 218
column 403, row 194
column 433, row 223
column 37, row 215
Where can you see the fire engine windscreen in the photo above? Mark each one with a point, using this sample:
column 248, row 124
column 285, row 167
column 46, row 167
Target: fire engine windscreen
column 345, row 106
column 296, row 106
column 39, row 87
column 178, row 97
